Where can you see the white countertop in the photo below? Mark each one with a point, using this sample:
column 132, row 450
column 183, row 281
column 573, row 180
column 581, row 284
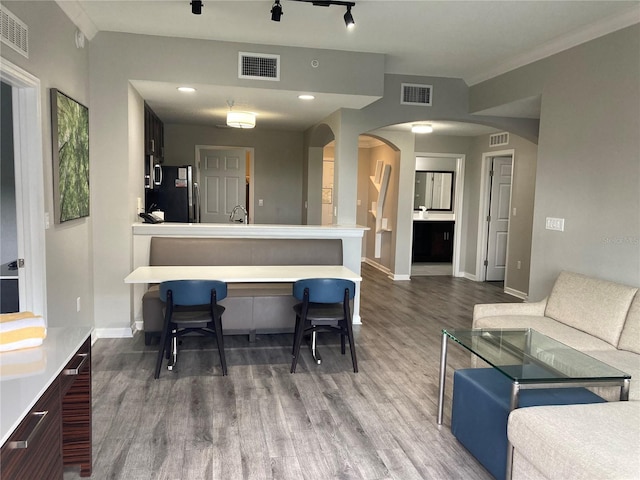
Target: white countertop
column 433, row 217
column 240, row 274
column 250, row 230
column 39, row 368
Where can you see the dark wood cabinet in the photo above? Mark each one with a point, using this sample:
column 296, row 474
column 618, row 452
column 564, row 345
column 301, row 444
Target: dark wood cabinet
column 57, row 430
column 153, row 144
column 432, row 242
column 34, row 449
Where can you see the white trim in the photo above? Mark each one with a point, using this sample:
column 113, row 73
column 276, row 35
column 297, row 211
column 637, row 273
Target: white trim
column 399, row 278
column 378, row 266
column 469, row 276
column 559, row 44
column 29, row 176
column 123, row 332
column 483, row 210
column 516, row 293
column 458, row 195
column 79, row 17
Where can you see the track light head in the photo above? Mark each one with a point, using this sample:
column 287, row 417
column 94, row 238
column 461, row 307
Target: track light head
column 276, row 11
column 348, row 18
column 196, row 7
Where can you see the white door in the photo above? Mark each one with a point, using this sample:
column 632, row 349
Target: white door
column 499, row 207
column 222, row 183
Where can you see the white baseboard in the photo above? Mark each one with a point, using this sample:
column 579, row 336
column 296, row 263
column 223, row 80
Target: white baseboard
column 138, row 326
column 516, row 293
column 125, row 332
column 399, row 277
column 377, row 266
column 470, row 276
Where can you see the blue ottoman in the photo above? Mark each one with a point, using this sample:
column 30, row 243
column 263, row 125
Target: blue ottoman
column 481, row 408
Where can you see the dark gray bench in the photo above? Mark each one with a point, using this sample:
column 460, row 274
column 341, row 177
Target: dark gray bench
column 250, row 307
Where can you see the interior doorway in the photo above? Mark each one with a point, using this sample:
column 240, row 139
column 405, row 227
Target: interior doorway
column 29, row 186
column 494, row 214
column 224, row 175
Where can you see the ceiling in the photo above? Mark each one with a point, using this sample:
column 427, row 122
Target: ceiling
column 472, row 40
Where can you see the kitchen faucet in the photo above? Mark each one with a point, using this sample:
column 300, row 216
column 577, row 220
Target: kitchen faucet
column 233, row 214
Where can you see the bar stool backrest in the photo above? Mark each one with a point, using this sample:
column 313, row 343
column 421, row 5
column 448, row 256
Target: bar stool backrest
column 192, row 292
column 324, row 290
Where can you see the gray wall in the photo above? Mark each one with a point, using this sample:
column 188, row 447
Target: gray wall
column 588, row 169
column 522, row 198
column 277, row 164
column 8, row 226
column 55, row 60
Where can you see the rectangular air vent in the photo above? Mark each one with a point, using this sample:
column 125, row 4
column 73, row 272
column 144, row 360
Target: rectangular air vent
column 259, row 66
column 414, row 94
column 498, row 139
column 13, row 32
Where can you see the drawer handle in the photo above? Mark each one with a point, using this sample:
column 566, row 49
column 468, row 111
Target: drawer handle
column 20, row 444
column 76, row 371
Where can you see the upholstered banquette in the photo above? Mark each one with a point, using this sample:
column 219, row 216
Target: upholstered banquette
column 250, row 307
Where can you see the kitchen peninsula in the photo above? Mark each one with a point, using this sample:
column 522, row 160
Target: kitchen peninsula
column 351, row 237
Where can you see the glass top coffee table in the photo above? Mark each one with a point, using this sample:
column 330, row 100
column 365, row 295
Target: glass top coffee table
column 531, row 360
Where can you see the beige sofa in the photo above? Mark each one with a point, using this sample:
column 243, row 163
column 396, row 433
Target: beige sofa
column 601, row 319
column 252, row 307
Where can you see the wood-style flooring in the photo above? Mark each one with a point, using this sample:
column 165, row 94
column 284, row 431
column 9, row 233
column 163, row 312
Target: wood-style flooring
column 323, row 422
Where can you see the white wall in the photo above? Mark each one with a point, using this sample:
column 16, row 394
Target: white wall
column 588, row 169
column 57, row 63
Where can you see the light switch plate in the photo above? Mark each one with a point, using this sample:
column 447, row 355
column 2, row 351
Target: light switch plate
column 555, row 224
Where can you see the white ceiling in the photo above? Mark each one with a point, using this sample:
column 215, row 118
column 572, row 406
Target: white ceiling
column 472, row 40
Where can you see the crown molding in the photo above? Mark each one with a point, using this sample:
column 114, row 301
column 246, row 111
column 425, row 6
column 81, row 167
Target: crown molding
column 79, row 17
column 564, row 42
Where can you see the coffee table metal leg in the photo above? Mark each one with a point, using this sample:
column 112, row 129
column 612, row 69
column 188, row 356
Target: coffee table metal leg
column 443, row 375
column 624, row 390
column 513, row 404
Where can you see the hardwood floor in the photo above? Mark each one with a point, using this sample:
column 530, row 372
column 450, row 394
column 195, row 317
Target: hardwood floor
column 323, row 422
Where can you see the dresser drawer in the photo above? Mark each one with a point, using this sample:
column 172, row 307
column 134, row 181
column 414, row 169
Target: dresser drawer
column 34, row 450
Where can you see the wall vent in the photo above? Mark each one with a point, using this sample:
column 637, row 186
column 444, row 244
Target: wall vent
column 498, row 139
column 259, row 66
column 414, row 94
column 13, row 32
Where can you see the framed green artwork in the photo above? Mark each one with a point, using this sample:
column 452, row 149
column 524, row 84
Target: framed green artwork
column 70, row 139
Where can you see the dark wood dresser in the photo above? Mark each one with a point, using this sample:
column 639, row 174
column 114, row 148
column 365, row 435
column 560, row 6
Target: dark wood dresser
column 45, row 407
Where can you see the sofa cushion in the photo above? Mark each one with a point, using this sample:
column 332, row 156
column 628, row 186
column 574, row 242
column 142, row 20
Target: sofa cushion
column 579, row 441
column 592, row 305
column 547, row 326
column 630, row 336
column 628, row 362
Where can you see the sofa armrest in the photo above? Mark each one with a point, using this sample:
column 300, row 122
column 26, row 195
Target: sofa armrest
column 482, row 310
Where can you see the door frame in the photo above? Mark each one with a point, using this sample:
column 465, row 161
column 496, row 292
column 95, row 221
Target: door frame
column 248, row 150
column 483, row 212
column 29, row 181
column 458, row 201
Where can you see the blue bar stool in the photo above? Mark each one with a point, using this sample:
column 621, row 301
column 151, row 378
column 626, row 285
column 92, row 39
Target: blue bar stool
column 190, row 306
column 325, row 307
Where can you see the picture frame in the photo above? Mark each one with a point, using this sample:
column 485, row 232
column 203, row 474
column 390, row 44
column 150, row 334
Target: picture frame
column 327, row 195
column 70, row 152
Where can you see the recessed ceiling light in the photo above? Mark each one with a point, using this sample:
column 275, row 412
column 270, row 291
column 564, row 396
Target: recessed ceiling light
column 186, row 89
column 306, row 96
column 421, row 128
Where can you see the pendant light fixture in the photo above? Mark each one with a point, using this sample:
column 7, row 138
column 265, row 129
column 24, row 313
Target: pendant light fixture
column 237, row 119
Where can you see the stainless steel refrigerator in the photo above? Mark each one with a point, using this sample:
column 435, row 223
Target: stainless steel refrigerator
column 176, row 194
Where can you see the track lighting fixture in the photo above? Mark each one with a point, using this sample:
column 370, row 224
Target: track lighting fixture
column 196, row 7
column 348, row 18
column 276, row 11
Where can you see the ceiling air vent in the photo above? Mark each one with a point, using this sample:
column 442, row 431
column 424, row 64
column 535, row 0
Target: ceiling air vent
column 13, row 32
column 498, row 139
column 414, row 94
column 259, row 66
